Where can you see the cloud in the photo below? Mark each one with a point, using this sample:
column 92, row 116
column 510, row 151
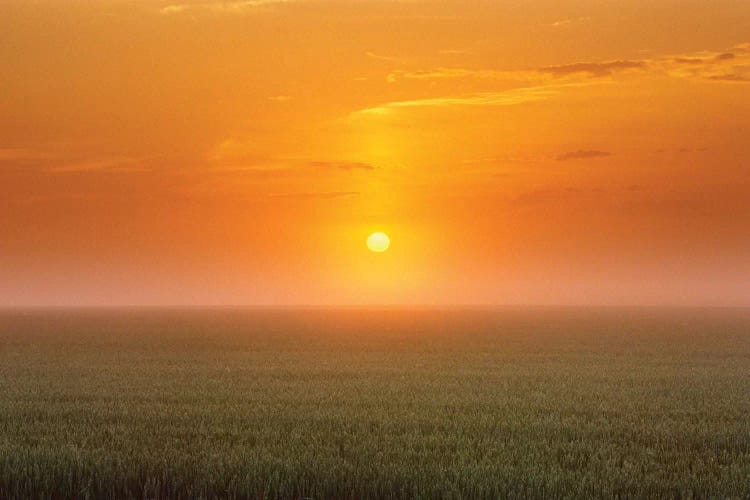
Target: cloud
column 379, row 57
column 582, row 69
column 731, row 65
column 689, row 60
column 507, row 98
column 726, row 56
column 174, row 9
column 267, row 168
column 583, row 155
column 219, row 6
column 343, row 165
column 727, row 66
column 58, row 161
column 730, row 78
column 566, row 22
column 593, row 69
column 442, row 73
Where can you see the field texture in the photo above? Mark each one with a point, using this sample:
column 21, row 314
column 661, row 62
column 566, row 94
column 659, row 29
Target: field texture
column 375, row 404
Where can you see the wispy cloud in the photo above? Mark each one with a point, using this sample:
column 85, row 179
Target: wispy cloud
column 596, row 69
column 380, row 57
column 59, row 161
column 453, row 52
column 443, row 73
column 730, row 65
column 568, row 21
column 732, row 78
column 581, row 70
column 219, row 6
column 268, row 168
column 506, row 98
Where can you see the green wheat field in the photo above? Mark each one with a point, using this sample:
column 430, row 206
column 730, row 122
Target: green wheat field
column 369, row 403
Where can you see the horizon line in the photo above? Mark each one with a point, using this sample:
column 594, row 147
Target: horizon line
column 385, row 306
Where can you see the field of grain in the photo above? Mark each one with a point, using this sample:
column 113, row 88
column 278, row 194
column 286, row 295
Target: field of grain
column 375, row 403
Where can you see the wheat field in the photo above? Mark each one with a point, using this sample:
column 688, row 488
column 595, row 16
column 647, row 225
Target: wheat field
column 375, row 403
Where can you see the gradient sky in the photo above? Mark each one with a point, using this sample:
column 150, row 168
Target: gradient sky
column 240, row 152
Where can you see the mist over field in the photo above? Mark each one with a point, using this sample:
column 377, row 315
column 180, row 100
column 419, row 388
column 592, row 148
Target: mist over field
column 374, row 403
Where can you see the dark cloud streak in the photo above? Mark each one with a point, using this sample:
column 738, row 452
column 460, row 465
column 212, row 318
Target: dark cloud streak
column 593, row 69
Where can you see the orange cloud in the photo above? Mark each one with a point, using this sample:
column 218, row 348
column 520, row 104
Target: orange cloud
column 507, row 98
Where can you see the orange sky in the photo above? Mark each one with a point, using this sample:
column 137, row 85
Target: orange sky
column 240, row 152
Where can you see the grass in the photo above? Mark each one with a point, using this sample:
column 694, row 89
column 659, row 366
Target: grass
column 375, row 404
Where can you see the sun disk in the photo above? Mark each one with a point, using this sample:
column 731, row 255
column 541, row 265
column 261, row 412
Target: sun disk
column 378, row 242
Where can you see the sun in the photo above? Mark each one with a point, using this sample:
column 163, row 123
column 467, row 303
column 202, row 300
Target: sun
column 378, row 242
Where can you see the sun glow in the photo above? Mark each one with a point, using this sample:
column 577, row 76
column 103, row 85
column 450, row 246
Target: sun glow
column 378, row 242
